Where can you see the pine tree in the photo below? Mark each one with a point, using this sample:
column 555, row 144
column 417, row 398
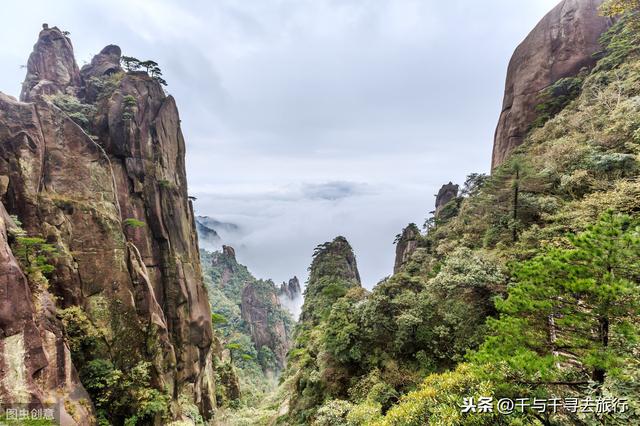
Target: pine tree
column 573, row 311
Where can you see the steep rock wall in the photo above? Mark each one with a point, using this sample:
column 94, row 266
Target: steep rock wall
column 113, row 199
column 34, row 359
column 560, row 45
column 261, row 311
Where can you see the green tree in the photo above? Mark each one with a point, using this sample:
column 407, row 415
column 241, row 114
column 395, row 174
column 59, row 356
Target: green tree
column 124, row 396
column 149, row 65
column 34, row 254
column 130, row 63
column 573, row 312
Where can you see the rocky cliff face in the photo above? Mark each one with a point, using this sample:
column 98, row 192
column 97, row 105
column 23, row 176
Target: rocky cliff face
column 406, row 244
column 35, row 362
column 291, row 289
column 446, row 193
column 562, row 43
column 262, row 313
column 51, row 67
column 111, row 196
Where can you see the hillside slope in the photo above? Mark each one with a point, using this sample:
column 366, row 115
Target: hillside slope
column 512, row 290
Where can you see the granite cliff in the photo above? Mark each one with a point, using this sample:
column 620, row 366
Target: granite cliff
column 92, row 162
column 406, row 244
column 262, row 312
column 561, row 45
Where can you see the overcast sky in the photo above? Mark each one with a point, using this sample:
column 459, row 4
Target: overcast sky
column 308, row 119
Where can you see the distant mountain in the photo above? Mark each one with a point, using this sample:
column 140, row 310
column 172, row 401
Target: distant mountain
column 207, row 237
column 290, row 295
column 218, row 225
column 252, row 324
column 212, row 233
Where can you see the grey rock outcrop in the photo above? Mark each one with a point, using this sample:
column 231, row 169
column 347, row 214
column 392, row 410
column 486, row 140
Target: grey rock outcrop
column 291, row 289
column 446, row 193
column 407, row 243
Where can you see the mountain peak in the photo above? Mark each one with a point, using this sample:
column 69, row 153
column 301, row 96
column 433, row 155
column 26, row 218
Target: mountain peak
column 563, row 43
column 51, row 67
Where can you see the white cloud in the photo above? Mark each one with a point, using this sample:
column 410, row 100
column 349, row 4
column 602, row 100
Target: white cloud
column 305, row 119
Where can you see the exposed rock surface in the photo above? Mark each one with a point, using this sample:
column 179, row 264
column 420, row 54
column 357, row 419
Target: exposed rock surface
column 291, row 289
column 562, row 43
column 446, row 193
column 88, row 195
column 51, row 68
column 229, row 252
column 407, row 243
column 261, row 311
column 35, row 362
column 104, row 63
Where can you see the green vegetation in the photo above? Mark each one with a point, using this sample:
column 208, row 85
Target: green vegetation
column 526, row 285
column 80, row 113
column 116, row 375
column 247, row 374
column 132, row 222
column 151, row 67
column 165, row 184
column 103, row 87
column 34, row 254
column 129, row 104
column 10, row 421
column 556, row 97
column 576, row 306
column 123, row 394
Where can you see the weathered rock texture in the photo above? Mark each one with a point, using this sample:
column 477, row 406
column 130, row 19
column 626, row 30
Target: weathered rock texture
column 35, row 363
column 51, row 67
column 81, row 192
column 562, row 43
column 291, row 290
column 262, row 313
column 407, row 243
column 446, row 193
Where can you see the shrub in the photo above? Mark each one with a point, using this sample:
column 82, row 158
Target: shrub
column 333, row 413
column 81, row 114
column 81, row 335
column 123, row 396
column 133, row 223
column 556, row 97
column 34, row 253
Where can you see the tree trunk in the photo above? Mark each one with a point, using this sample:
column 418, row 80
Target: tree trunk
column 603, row 325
